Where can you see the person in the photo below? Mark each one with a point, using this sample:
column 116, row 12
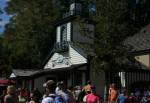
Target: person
column 50, row 86
column 77, row 91
column 21, row 97
column 37, row 93
column 122, row 98
column 71, row 92
column 92, row 97
column 109, row 91
column 34, row 97
column 11, row 95
column 87, row 88
column 58, row 87
column 46, row 93
column 2, row 96
column 113, row 94
column 132, row 98
column 63, row 92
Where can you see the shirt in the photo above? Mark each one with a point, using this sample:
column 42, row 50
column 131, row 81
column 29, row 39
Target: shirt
column 11, row 99
column 64, row 95
column 92, row 98
column 48, row 100
column 121, row 98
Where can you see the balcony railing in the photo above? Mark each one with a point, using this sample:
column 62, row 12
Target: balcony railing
column 71, row 13
column 61, row 46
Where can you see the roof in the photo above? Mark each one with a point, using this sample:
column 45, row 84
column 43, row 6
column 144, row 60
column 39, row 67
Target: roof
column 139, row 41
column 73, row 45
column 71, row 18
column 37, row 73
column 23, row 73
column 78, row 49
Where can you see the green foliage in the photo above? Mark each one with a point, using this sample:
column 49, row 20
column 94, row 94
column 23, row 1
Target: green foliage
column 112, row 28
column 140, row 12
column 30, row 33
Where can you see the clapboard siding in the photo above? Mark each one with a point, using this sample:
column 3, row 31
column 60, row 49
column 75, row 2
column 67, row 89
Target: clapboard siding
column 144, row 59
column 58, row 34
column 69, row 31
column 76, row 58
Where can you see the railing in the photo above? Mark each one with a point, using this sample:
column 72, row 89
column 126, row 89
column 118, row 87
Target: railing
column 61, row 46
column 71, row 13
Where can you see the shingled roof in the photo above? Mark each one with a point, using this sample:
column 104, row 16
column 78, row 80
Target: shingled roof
column 140, row 41
column 24, row 73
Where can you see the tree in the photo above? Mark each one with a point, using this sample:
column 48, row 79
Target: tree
column 1, row 12
column 113, row 26
column 30, row 33
column 4, row 66
column 140, row 12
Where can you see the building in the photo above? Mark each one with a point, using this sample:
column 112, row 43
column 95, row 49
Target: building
column 140, row 50
column 67, row 61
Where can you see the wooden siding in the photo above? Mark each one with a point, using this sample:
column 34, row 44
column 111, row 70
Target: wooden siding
column 144, row 59
column 75, row 57
column 58, row 34
column 69, row 31
column 72, row 56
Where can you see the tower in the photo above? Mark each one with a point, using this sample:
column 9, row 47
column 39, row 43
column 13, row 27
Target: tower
column 66, row 55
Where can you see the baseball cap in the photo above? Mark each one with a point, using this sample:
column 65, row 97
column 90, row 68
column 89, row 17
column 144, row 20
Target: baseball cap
column 49, row 84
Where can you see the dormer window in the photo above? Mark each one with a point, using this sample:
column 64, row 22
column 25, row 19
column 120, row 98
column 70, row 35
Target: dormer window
column 63, row 33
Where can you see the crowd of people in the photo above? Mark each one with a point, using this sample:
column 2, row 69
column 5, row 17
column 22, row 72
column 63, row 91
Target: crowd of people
column 122, row 96
column 54, row 93
column 60, row 93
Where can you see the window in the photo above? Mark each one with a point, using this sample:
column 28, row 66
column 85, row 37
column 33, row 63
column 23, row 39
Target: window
column 63, row 33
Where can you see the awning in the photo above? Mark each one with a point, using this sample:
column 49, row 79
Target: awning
column 6, row 82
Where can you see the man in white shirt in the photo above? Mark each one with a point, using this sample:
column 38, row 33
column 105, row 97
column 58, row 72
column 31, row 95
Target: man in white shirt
column 50, row 86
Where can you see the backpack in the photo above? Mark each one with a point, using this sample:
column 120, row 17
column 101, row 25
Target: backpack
column 57, row 99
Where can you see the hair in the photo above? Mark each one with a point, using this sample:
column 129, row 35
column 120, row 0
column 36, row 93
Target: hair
column 11, row 89
column 88, row 82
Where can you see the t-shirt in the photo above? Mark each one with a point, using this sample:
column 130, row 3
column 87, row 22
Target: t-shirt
column 22, row 99
column 121, row 98
column 92, row 98
column 11, row 99
column 48, row 100
column 64, row 95
column 53, row 98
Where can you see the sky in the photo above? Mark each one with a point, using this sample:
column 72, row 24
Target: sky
column 4, row 16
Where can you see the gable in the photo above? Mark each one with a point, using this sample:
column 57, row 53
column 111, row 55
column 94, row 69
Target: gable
column 66, row 59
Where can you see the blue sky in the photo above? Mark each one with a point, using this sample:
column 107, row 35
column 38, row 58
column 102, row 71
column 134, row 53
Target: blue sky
column 4, row 16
